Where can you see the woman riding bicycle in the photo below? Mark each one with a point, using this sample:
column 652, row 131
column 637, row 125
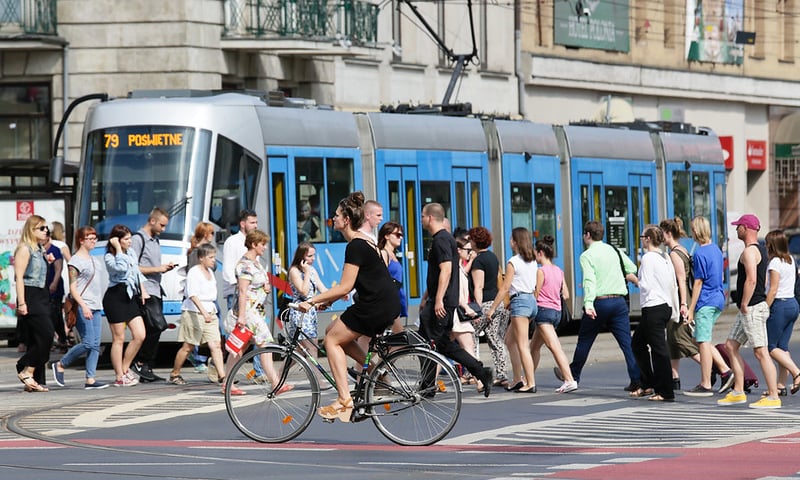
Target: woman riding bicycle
column 377, row 306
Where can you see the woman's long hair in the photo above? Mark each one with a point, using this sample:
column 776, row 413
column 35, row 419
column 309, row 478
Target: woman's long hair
column 300, row 253
column 28, row 237
column 778, row 246
column 119, row 231
column 522, row 237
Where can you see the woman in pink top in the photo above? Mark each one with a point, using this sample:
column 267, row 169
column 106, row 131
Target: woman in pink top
column 550, row 287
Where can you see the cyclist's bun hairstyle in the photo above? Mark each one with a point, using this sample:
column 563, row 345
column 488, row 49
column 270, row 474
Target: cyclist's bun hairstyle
column 353, row 208
column 546, row 245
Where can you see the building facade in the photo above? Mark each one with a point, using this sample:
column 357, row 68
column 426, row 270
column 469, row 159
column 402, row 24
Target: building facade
column 552, row 61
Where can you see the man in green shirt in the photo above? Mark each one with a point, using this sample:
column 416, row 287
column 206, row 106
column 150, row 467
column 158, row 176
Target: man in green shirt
column 604, row 290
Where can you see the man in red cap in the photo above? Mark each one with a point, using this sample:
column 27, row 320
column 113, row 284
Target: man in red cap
column 751, row 321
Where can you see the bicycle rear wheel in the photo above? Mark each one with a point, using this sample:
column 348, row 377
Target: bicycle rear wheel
column 416, row 397
column 260, row 414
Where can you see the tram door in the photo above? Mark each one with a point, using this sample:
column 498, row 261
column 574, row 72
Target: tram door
column 403, row 206
column 278, row 222
column 466, row 211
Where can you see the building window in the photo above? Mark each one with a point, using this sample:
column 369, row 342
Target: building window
column 25, row 122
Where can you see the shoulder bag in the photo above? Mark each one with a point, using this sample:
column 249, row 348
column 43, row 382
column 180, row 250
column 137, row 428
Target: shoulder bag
column 71, row 306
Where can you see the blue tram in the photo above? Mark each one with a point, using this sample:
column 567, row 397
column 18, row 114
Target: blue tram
column 203, row 156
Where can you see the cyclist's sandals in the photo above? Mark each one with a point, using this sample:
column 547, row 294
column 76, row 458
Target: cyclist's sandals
column 337, row 410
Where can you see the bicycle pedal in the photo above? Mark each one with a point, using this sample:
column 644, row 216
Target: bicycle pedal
column 327, row 420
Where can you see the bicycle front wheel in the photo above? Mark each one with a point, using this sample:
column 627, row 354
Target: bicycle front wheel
column 415, row 397
column 275, row 400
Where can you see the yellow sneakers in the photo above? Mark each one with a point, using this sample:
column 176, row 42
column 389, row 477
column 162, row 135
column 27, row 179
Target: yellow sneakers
column 767, row 402
column 733, row 398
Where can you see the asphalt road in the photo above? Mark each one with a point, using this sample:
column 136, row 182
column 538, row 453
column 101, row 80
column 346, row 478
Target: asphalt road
column 598, row 432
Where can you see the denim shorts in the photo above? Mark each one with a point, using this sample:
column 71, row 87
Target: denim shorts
column 523, row 305
column 548, row 315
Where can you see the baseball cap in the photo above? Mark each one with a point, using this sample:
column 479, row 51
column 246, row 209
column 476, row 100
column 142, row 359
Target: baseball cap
column 749, row 221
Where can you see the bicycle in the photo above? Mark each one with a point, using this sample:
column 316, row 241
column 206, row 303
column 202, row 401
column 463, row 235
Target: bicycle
column 412, row 395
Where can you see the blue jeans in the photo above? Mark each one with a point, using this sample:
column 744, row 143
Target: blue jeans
column 613, row 313
column 90, row 343
column 780, row 323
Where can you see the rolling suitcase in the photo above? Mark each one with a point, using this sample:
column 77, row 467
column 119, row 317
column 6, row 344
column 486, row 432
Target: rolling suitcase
column 750, row 378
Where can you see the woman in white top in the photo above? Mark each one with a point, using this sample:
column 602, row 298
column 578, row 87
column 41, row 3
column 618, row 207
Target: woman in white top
column 656, row 285
column 520, row 284
column 199, row 322
column 783, row 308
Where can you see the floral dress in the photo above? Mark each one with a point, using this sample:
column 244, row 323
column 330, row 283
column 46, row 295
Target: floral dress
column 257, row 291
column 306, row 321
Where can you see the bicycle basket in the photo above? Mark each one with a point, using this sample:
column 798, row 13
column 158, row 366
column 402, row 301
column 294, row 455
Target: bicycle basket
column 405, row 338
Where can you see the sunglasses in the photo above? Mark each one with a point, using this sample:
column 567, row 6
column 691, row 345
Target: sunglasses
column 43, row 228
column 398, row 234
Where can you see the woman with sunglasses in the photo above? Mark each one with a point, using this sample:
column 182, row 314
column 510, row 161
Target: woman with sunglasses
column 390, row 237
column 86, row 288
column 33, row 303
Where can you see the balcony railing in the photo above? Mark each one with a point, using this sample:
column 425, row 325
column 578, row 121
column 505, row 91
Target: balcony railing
column 348, row 21
column 36, row 17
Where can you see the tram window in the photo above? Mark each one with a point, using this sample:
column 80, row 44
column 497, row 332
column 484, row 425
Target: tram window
column 475, row 201
column 617, row 217
column 545, row 197
column 434, row 192
column 722, row 229
column 321, row 184
column 522, row 205
column 701, row 195
column 235, row 173
column 680, row 196
column 460, row 213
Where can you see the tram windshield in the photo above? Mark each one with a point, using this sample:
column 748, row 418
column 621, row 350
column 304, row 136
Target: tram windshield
column 130, row 170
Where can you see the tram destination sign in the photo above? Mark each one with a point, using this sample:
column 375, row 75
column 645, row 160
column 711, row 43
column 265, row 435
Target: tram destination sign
column 133, row 140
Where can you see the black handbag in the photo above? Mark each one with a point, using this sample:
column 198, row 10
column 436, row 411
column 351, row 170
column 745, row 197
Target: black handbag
column 152, row 315
column 462, row 313
column 566, row 316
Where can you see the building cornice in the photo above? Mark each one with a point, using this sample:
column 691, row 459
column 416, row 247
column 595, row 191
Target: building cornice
column 640, row 80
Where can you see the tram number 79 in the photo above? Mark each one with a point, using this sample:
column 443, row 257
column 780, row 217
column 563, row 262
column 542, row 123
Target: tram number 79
column 111, row 140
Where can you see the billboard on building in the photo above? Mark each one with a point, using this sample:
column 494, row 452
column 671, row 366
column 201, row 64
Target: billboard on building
column 600, row 24
column 787, row 178
column 711, row 27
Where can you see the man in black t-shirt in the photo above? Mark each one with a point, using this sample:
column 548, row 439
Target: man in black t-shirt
column 439, row 302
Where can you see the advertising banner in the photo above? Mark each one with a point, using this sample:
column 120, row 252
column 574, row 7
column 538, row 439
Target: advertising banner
column 711, row 27
column 599, row 24
column 13, row 213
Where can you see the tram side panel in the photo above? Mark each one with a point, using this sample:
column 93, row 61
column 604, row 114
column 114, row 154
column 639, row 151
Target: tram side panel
column 695, row 184
column 613, row 178
column 423, row 159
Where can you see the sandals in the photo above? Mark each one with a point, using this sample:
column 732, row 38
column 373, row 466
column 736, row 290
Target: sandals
column 31, row 385
column 641, row 392
column 781, row 392
column 658, row 398
column 176, row 380
column 795, row 384
column 339, row 410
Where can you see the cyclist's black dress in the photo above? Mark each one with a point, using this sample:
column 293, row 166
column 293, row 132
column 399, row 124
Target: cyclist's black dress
column 378, row 303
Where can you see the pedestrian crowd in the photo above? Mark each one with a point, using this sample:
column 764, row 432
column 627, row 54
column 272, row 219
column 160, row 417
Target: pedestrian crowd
column 469, row 293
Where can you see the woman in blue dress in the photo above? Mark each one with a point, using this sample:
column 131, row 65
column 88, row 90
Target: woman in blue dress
column 390, row 237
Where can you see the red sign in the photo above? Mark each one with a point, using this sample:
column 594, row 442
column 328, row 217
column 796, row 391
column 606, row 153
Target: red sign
column 756, row 155
column 24, row 210
column 727, row 151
